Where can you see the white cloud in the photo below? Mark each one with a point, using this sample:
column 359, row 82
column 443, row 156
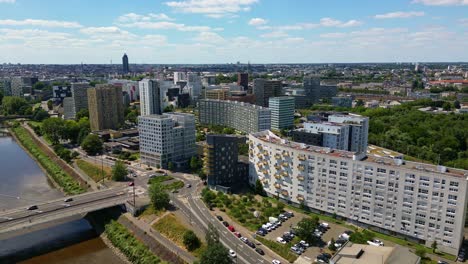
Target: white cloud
column 212, row 8
column 102, row 30
column 151, row 22
column 209, row 37
column 39, row 23
column 442, row 2
column 257, row 21
column 330, row 22
column 275, row 34
column 132, row 17
column 400, row 14
column 7, row 1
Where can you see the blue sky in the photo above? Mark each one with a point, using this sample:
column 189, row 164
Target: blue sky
column 227, row 31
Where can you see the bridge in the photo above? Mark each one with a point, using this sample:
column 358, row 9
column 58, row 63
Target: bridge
column 53, row 211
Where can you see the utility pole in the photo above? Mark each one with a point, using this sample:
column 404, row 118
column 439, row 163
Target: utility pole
column 102, row 167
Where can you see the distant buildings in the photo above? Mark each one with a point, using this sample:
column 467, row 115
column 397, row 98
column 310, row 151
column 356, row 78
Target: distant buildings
column 282, row 112
column 220, row 94
column 342, row 101
column 179, row 77
column 22, row 85
column 106, row 109
column 166, row 138
column 59, row 92
column 125, row 66
column 193, row 86
column 315, row 91
column 77, row 101
column 221, row 160
column 238, row 115
column 5, row 86
column 264, row 89
column 151, row 97
column 243, row 80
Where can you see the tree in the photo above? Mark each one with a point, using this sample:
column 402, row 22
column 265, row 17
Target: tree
column 191, row 241
column 158, row 196
column 169, row 108
column 305, row 227
column 39, row 86
column 12, row 104
column 332, row 246
column 420, row 252
column 194, row 164
column 53, row 128
column 82, row 113
column 434, row 246
column 132, row 117
column 447, row 106
column 50, row 105
column 359, row 102
column 259, row 188
column 170, row 165
column 456, row 104
column 215, row 254
column 71, row 131
column 119, row 171
column 92, row 144
column 40, row 114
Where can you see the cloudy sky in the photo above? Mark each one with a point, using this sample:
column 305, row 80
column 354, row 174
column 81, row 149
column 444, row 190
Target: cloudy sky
column 225, row 31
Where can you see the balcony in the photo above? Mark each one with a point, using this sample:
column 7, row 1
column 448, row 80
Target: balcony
column 265, row 162
column 285, row 164
column 277, row 176
column 301, row 178
column 286, row 154
column 265, row 171
column 277, row 156
column 301, row 167
column 277, row 167
column 277, row 186
column 302, row 157
column 266, row 153
column 284, row 193
column 285, row 174
column 300, row 198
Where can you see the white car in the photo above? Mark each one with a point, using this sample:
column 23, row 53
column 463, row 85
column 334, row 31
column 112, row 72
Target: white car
column 275, row 261
column 232, row 253
column 280, row 240
column 344, row 236
column 375, row 242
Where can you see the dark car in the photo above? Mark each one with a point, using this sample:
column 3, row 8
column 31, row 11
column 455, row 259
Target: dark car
column 322, row 257
column 226, row 224
column 220, row 218
column 348, row 232
column 259, row 251
column 32, row 207
column 68, row 200
column 250, row 244
column 327, row 255
column 261, row 232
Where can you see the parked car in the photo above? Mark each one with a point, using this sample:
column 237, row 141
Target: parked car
column 188, row 185
column 442, row 262
column 289, row 214
column 250, row 244
column 375, row 242
column 32, row 207
column 131, row 184
column 280, row 240
column 220, row 218
column 344, row 236
column 261, row 232
column 232, row 253
column 260, row 251
column 325, row 225
column 226, row 224
column 296, row 250
column 68, row 200
column 244, row 239
column 275, row 261
column 327, row 255
column 237, row 234
column 231, row 228
column 305, row 244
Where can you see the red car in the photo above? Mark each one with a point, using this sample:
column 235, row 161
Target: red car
column 131, row 184
column 237, row 234
column 231, row 228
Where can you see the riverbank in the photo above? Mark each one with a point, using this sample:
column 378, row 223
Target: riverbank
column 57, row 175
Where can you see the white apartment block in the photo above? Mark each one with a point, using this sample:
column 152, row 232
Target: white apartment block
column 179, row 76
column 334, row 135
column 421, row 201
column 166, row 138
column 359, row 130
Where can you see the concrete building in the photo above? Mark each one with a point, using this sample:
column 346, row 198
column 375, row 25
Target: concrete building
column 241, row 96
column 209, row 79
column 125, row 66
column 238, row 115
column 179, row 77
column 342, row 101
column 334, row 135
column 243, row 80
column 220, row 160
column 219, row 94
column 315, row 91
column 359, row 130
column 22, row 85
column 78, row 100
column 59, row 92
column 422, row 202
column 264, row 89
column 106, row 109
column 152, row 97
column 5, row 86
column 167, row 138
column 282, row 112
column 367, row 254
column 194, row 85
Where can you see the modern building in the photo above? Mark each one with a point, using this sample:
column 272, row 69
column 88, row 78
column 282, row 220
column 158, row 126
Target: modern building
column 151, row 97
column 359, row 130
column 166, row 138
column 334, row 135
column 220, row 94
column 243, row 80
column 179, row 77
column 106, row 109
column 125, row 66
column 194, row 85
column 264, row 89
column 5, row 86
column 59, row 92
column 421, row 202
column 221, row 160
column 209, row 79
column 78, row 100
column 238, row 115
column 315, row 91
column 282, row 112
column 22, row 85
column 342, row 101
column 241, row 96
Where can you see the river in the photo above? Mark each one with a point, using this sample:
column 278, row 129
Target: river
column 23, row 183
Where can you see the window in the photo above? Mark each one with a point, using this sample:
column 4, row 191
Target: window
column 381, row 170
column 452, row 197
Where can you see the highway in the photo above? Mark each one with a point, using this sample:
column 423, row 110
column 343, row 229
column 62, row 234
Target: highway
column 56, row 209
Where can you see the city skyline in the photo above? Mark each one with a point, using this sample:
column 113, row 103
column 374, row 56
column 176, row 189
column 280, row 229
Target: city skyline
column 209, row 31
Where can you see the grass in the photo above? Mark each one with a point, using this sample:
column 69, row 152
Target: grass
column 133, row 249
column 170, row 227
column 64, row 180
column 93, row 171
column 151, row 211
column 160, row 179
column 174, row 185
column 281, row 249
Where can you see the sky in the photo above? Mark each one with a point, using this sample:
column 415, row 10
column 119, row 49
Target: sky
column 227, row 31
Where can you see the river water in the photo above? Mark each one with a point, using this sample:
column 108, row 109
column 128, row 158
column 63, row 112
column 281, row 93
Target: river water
column 23, row 183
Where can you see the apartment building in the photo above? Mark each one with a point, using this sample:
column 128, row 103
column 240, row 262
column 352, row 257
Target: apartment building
column 77, row 101
column 264, row 89
column 165, row 138
column 359, row 130
column 238, row 115
column 106, row 108
column 334, row 135
column 420, row 201
column 282, row 112
column 151, row 97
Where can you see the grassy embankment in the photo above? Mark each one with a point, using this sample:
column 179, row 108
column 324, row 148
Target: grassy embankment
column 93, row 171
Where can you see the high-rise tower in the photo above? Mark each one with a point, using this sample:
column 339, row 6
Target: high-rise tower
column 126, row 69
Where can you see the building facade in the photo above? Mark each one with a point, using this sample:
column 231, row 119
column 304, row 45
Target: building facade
column 166, row 138
column 342, row 101
column 315, row 91
column 78, row 100
column 420, row 201
column 220, row 94
column 334, row 135
column 243, row 80
column 282, row 112
column 151, row 97
column 22, row 85
column 238, row 115
column 359, row 130
column 264, row 89
column 106, row 109
column 125, row 66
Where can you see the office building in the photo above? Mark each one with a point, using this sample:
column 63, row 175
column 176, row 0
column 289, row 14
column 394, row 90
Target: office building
column 59, row 92
column 282, row 112
column 5, row 86
column 241, row 96
column 315, row 91
column 179, row 77
column 193, row 86
column 221, row 160
column 151, row 97
column 342, row 101
column 359, row 130
column 220, row 94
column 166, row 138
column 264, row 89
column 78, row 100
column 106, row 109
column 209, row 80
column 22, row 85
column 420, row 201
column 125, row 66
column 241, row 116
column 243, row 80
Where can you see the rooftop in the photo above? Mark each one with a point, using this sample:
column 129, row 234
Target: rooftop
column 235, row 102
column 365, row 254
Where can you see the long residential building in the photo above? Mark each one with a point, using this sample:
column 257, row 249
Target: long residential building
column 420, row 201
column 241, row 116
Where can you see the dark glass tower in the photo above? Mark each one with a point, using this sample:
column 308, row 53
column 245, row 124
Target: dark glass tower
column 126, row 69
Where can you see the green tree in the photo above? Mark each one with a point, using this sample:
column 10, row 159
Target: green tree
column 447, row 106
column 71, row 131
column 169, row 108
column 39, row 114
column 420, row 252
column 53, row 128
column 259, row 188
column 194, row 164
column 39, row 86
column 92, row 144
column 170, row 165
column 119, row 171
column 158, row 196
column 305, row 227
column 434, row 246
column 82, row 113
column 12, row 104
column 50, row 105
column 332, row 246
column 456, row 104
column 132, row 117
column 215, row 254
column 191, row 241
